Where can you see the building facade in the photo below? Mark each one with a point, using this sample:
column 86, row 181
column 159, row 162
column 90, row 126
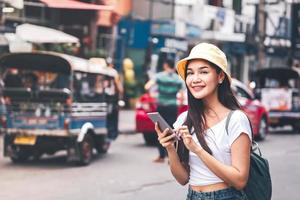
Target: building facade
column 92, row 21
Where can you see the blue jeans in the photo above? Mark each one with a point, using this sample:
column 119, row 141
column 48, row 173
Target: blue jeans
column 224, row 194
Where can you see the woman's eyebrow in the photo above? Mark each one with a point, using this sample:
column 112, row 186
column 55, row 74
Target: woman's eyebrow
column 202, row 67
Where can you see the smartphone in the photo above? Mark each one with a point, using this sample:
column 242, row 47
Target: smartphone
column 156, row 117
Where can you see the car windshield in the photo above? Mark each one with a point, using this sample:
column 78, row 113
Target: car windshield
column 278, row 83
column 277, row 78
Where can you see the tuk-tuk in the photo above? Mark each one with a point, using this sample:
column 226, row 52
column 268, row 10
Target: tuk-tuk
column 278, row 90
column 54, row 102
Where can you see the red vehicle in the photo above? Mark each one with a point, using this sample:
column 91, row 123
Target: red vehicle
column 256, row 112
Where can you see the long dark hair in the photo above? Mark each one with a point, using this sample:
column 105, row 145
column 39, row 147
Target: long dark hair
column 196, row 118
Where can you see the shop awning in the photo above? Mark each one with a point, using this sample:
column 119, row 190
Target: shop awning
column 40, row 34
column 76, row 5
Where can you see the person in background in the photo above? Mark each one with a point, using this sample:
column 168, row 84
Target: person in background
column 168, row 85
column 12, row 78
column 30, row 80
column 212, row 159
column 2, row 102
column 116, row 94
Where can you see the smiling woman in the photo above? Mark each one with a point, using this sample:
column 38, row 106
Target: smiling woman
column 202, row 78
column 214, row 163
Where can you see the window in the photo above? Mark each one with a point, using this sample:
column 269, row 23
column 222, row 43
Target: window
column 241, row 92
column 88, row 87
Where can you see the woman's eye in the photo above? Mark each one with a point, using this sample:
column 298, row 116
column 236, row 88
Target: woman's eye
column 204, row 72
column 189, row 73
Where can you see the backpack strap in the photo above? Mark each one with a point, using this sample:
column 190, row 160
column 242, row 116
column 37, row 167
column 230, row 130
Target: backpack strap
column 227, row 120
column 254, row 145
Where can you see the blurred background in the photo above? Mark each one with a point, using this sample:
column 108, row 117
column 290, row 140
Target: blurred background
column 253, row 33
column 130, row 39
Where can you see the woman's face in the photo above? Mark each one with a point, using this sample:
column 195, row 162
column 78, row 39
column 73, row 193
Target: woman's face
column 202, row 79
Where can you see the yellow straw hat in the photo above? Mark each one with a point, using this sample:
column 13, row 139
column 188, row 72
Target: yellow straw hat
column 207, row 52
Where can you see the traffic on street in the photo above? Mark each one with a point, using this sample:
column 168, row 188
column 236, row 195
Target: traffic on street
column 128, row 173
column 149, row 99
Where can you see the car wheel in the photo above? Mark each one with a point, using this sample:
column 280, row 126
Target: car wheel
column 150, row 138
column 102, row 144
column 263, row 129
column 20, row 155
column 296, row 128
column 86, row 150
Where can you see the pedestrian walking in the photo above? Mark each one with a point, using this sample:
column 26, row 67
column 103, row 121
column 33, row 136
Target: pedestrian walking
column 214, row 162
column 168, row 85
column 2, row 102
column 115, row 95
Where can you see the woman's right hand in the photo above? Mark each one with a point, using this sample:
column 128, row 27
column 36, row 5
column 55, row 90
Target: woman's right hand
column 164, row 137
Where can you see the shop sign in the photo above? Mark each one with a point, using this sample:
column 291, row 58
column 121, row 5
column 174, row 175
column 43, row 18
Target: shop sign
column 176, row 44
column 163, row 28
column 193, row 31
column 277, row 99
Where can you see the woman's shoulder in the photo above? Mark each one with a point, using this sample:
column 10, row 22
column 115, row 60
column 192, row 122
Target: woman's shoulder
column 239, row 123
column 180, row 119
column 239, row 115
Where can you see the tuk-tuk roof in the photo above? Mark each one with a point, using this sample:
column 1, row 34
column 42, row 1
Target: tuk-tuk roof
column 278, row 73
column 56, row 62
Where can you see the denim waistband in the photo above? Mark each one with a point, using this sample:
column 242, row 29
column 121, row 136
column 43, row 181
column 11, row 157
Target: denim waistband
column 228, row 193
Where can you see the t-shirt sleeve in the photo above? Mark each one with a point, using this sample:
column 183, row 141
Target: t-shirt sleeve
column 180, row 120
column 238, row 124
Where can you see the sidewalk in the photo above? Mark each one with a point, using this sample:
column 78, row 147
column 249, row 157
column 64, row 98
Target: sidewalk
column 127, row 121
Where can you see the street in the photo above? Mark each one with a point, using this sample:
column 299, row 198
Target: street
column 127, row 173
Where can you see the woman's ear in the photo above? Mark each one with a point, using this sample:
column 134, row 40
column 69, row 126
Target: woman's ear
column 221, row 77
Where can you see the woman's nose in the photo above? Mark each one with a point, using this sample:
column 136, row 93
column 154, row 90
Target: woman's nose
column 197, row 78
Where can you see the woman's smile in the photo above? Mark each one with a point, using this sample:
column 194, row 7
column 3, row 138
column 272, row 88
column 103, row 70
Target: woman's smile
column 202, row 79
column 197, row 88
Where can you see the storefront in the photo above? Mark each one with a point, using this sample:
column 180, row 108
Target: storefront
column 147, row 43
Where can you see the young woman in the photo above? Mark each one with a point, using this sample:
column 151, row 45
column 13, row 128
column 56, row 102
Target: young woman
column 213, row 161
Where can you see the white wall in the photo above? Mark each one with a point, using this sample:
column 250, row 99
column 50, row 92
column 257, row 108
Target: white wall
column 141, row 9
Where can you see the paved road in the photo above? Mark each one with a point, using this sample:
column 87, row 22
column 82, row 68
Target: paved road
column 283, row 153
column 127, row 173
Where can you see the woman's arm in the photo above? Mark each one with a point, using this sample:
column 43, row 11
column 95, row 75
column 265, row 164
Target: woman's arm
column 119, row 85
column 179, row 172
column 236, row 174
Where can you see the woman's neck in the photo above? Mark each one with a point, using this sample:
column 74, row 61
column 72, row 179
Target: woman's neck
column 213, row 107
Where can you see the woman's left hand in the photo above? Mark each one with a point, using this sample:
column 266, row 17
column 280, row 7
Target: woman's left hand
column 187, row 138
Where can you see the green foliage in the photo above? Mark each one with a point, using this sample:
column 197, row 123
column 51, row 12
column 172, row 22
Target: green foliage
column 100, row 52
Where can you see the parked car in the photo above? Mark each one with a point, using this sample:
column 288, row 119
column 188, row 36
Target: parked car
column 256, row 112
column 278, row 90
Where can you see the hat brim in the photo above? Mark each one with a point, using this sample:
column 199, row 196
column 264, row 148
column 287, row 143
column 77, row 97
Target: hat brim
column 182, row 64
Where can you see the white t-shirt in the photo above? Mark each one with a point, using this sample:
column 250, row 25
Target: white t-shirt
column 219, row 142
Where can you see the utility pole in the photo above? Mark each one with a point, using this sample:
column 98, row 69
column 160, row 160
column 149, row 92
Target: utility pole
column 151, row 9
column 173, row 9
column 261, row 33
column 1, row 13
